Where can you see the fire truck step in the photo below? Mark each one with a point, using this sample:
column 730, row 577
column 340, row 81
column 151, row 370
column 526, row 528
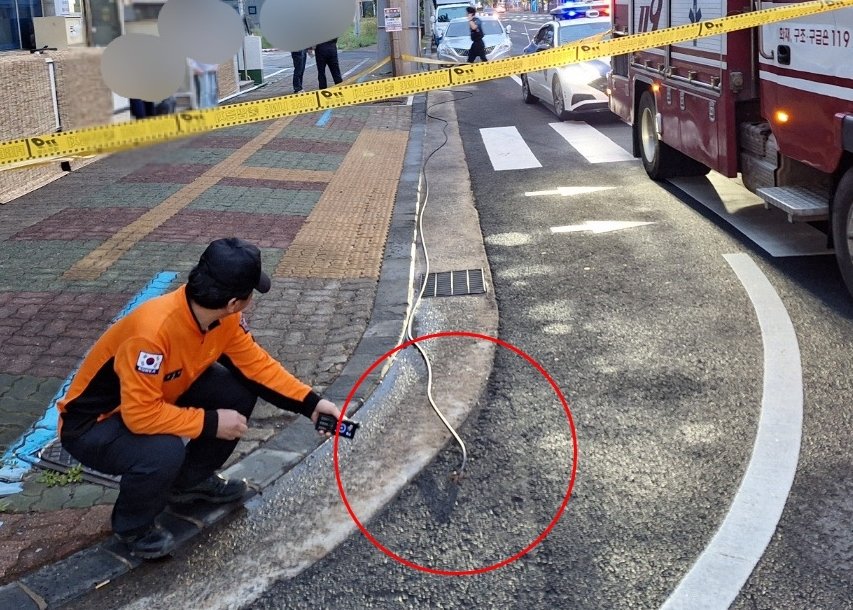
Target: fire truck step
column 798, row 202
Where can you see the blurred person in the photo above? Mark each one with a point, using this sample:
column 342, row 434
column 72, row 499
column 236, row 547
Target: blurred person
column 300, row 58
column 326, row 54
column 164, row 395
column 140, row 109
column 206, row 79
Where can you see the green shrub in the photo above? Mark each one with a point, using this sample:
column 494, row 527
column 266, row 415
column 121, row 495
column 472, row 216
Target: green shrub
column 348, row 40
column 57, row 479
column 366, row 37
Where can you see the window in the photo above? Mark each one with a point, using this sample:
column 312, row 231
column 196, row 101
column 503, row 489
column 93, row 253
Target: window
column 492, row 27
column 545, row 36
column 571, row 33
column 16, row 23
column 461, row 28
column 444, row 15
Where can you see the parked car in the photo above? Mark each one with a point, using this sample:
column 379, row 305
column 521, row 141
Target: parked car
column 454, row 45
column 446, row 12
column 578, row 88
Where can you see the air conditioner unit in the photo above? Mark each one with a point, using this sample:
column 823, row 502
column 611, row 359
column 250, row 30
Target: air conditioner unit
column 59, row 32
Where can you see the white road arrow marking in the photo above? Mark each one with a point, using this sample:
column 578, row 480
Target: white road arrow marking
column 569, row 191
column 600, row 226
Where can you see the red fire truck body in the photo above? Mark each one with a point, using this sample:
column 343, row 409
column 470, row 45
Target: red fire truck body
column 773, row 104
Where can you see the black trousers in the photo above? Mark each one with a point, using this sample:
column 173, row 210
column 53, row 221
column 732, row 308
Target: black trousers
column 327, row 57
column 478, row 49
column 299, row 58
column 151, row 464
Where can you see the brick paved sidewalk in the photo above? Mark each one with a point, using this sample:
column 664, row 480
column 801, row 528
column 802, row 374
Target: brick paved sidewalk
column 315, row 192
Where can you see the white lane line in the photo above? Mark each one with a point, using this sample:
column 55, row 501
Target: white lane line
column 769, row 229
column 507, row 149
column 354, row 69
column 718, row 575
column 569, row 191
column 600, row 226
column 517, row 79
column 591, row 143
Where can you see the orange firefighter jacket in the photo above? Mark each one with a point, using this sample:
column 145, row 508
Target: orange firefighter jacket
column 144, row 362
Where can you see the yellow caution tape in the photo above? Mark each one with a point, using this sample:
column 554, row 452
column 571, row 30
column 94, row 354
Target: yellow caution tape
column 122, row 136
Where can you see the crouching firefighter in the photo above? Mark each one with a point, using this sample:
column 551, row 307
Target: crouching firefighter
column 164, row 395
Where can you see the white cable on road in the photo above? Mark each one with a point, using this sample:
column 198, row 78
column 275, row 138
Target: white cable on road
column 421, row 237
column 722, row 569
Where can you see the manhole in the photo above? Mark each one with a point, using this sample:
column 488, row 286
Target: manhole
column 54, row 457
column 455, row 283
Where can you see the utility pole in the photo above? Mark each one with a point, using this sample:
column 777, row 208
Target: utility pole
column 429, row 14
column 357, row 26
column 396, row 51
column 398, row 43
column 383, row 40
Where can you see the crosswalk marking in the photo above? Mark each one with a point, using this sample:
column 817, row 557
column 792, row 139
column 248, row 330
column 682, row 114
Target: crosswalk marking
column 507, row 149
column 591, row 143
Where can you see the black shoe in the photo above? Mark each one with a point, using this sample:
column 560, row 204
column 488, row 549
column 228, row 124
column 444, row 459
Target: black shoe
column 215, row 489
column 154, row 543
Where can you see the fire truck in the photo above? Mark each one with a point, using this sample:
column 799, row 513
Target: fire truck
column 773, row 104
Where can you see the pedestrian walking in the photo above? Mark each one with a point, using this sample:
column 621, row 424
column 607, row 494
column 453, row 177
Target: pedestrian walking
column 164, row 395
column 299, row 58
column 478, row 47
column 326, row 54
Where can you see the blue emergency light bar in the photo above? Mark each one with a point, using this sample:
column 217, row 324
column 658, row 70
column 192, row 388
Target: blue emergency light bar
column 580, row 10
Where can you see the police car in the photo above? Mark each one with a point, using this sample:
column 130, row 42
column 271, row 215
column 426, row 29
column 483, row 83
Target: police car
column 580, row 10
column 576, row 89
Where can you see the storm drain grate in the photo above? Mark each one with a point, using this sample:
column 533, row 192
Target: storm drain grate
column 455, row 283
column 54, row 457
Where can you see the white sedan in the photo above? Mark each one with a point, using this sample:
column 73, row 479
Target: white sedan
column 576, row 89
column 454, row 45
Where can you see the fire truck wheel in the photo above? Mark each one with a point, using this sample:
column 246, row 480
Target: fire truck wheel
column 559, row 101
column 842, row 227
column 528, row 97
column 660, row 160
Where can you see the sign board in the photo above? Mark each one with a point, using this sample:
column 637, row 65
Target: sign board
column 393, row 20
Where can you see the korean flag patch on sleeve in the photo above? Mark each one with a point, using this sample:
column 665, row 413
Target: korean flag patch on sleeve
column 149, row 363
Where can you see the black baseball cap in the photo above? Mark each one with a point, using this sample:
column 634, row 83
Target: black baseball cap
column 234, row 264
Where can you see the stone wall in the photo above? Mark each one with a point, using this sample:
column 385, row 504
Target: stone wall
column 28, row 106
column 84, row 99
column 228, row 82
